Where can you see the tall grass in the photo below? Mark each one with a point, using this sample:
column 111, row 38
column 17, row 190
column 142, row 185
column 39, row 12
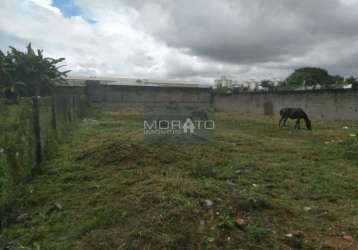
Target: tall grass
column 16, row 148
column 18, row 142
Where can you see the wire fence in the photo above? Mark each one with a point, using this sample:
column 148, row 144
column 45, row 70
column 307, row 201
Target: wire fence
column 29, row 132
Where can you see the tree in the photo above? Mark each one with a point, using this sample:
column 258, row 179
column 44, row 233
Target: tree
column 29, row 73
column 353, row 81
column 267, row 84
column 7, row 84
column 338, row 79
column 310, row 77
column 350, row 80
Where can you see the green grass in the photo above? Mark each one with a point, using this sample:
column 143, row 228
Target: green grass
column 18, row 143
column 16, row 148
column 115, row 192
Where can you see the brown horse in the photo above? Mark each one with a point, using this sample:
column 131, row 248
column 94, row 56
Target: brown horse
column 294, row 113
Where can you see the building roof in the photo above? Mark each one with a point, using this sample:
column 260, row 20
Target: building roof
column 81, row 81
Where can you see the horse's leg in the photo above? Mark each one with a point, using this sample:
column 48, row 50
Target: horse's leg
column 279, row 123
column 284, row 121
column 299, row 123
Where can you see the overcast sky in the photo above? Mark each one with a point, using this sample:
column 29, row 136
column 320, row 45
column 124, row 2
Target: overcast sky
column 187, row 39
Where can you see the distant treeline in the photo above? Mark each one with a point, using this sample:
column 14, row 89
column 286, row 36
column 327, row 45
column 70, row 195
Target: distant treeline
column 303, row 78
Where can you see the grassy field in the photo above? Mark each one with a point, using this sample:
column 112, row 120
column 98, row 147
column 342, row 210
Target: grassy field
column 256, row 187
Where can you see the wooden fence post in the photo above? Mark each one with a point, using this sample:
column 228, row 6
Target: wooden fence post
column 37, row 131
column 74, row 108
column 54, row 114
column 69, row 108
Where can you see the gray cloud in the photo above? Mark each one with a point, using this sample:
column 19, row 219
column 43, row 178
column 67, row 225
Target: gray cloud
column 253, row 32
column 187, row 39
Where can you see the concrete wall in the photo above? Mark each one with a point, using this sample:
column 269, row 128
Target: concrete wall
column 119, row 95
column 319, row 104
column 322, row 104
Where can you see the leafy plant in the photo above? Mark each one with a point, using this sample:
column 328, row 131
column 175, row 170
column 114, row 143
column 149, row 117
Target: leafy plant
column 226, row 221
column 203, row 171
column 257, row 233
column 29, row 73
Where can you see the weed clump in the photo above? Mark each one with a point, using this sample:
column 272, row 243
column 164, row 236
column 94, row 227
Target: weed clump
column 351, row 149
column 204, row 171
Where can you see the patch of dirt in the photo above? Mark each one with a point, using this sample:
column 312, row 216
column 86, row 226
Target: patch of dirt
column 254, row 204
column 331, row 243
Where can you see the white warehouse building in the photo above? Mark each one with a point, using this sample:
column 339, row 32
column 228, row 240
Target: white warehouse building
column 224, row 82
